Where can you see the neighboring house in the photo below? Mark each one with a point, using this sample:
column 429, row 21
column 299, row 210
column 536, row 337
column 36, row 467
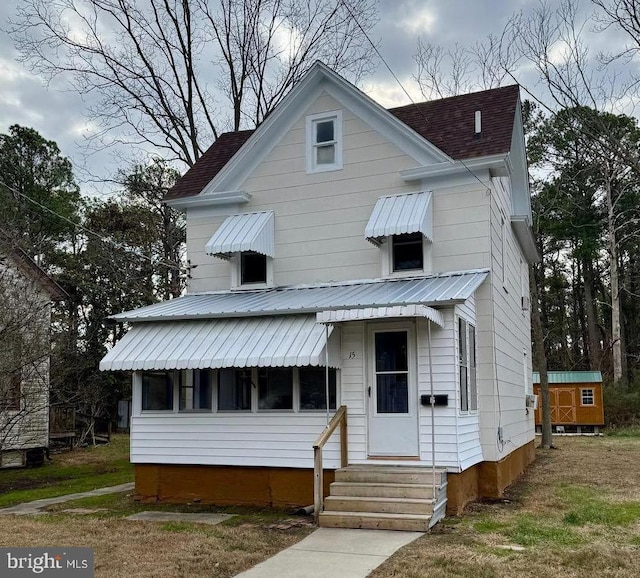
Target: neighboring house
column 345, row 236
column 26, row 293
column 575, row 399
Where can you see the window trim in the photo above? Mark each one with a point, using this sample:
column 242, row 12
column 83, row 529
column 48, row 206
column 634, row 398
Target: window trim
column 583, row 390
column 236, row 274
column 472, row 403
column 386, row 250
column 311, row 145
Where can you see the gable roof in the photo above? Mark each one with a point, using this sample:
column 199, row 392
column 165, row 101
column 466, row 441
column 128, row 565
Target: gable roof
column 447, row 123
column 28, row 267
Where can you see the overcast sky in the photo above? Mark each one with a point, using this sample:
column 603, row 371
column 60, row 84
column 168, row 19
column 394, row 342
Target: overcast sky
column 58, row 114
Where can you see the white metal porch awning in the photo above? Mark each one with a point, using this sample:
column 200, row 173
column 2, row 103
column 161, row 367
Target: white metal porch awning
column 400, row 214
column 243, row 232
column 342, row 315
column 282, row 341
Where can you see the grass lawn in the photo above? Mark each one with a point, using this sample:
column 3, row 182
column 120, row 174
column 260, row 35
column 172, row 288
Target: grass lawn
column 69, row 472
column 137, row 549
column 575, row 514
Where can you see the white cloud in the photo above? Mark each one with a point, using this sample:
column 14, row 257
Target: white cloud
column 390, row 94
column 418, row 21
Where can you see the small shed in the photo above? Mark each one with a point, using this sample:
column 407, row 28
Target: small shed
column 576, row 401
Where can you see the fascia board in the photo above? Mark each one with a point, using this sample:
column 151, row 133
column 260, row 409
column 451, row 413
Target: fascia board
column 210, row 199
column 524, row 234
column 280, row 121
column 499, row 165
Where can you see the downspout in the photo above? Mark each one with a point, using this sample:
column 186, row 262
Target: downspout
column 433, row 403
column 326, row 368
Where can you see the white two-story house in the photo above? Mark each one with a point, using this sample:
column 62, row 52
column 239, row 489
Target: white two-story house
column 375, row 258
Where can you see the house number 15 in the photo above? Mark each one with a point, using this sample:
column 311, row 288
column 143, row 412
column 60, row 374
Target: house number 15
column 352, row 355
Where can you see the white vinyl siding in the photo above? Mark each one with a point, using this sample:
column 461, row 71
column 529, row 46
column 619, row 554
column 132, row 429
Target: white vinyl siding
column 502, row 400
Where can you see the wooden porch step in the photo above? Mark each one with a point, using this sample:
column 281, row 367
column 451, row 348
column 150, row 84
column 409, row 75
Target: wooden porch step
column 375, row 521
column 388, row 474
column 336, row 504
column 373, row 490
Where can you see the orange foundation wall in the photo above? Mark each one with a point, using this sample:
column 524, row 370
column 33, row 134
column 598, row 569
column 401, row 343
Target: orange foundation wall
column 487, row 479
column 566, row 404
column 225, row 485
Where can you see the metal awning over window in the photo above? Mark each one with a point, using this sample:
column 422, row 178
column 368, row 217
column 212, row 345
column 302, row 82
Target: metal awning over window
column 400, row 214
column 243, row 232
column 342, row 315
column 281, row 341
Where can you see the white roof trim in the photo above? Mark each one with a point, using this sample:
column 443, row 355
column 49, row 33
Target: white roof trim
column 320, row 77
column 342, row 315
column 283, row 341
column 211, row 199
column 526, row 239
column 400, row 214
column 499, row 165
column 244, row 232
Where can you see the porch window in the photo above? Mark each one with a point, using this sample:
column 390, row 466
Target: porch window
column 313, row 391
column 275, row 388
column 392, row 372
column 157, row 391
column 234, row 390
column 587, row 396
column 195, row 391
column 407, row 252
column 467, row 366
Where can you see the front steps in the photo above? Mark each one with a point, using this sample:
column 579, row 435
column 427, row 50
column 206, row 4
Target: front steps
column 385, row 498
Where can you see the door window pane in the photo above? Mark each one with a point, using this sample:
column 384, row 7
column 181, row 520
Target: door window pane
column 391, row 351
column 275, row 388
column 234, row 390
column 392, row 393
column 313, row 392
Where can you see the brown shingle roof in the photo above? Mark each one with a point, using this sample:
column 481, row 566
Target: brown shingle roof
column 447, row 123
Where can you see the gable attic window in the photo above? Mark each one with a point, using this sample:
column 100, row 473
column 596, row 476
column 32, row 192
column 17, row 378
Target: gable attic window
column 402, row 226
column 246, row 240
column 324, row 141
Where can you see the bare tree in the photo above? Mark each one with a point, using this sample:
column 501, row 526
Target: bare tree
column 443, row 72
column 172, row 74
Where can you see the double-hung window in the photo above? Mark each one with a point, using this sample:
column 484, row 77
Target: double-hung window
column 324, row 142
column 467, row 366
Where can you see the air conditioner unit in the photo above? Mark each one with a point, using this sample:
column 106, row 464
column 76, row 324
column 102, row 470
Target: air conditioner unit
column 526, row 303
column 531, row 401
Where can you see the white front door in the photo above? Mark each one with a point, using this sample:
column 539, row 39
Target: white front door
column 392, row 391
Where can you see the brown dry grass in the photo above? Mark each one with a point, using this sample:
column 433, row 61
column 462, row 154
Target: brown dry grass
column 576, row 512
column 144, row 549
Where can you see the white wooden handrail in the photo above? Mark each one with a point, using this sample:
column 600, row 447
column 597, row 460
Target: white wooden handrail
column 339, row 418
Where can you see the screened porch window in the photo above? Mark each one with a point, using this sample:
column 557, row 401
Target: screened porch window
column 313, row 390
column 275, row 388
column 195, row 391
column 234, row 390
column 157, row 391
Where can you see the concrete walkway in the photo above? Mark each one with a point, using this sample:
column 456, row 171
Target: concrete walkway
column 36, row 507
column 331, row 552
